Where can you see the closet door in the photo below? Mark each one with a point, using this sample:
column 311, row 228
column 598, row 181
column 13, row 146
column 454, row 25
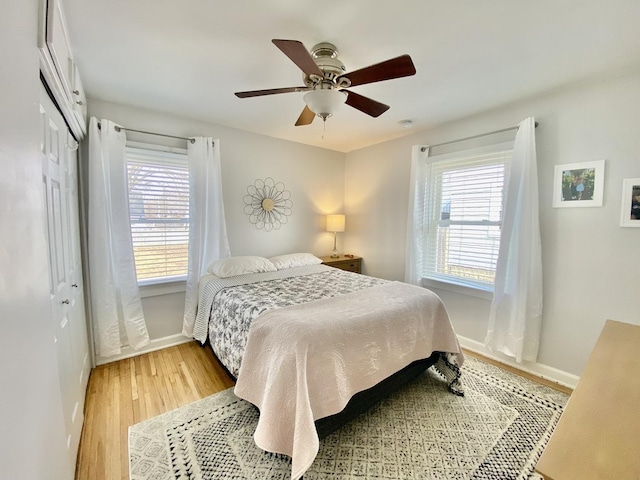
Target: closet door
column 77, row 317
column 59, row 183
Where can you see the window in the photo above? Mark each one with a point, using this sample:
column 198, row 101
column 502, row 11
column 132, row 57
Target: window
column 158, row 186
column 464, row 205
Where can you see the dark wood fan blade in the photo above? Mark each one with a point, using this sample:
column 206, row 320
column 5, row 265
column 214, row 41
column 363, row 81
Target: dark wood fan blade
column 258, row 93
column 366, row 105
column 299, row 55
column 398, row 67
column 306, row 117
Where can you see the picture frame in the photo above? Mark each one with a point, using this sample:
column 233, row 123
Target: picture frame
column 630, row 204
column 578, row 184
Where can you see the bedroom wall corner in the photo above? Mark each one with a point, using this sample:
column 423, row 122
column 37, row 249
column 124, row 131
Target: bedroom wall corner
column 314, row 176
column 589, row 275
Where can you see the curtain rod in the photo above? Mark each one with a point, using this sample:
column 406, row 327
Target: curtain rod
column 118, row 128
column 472, row 137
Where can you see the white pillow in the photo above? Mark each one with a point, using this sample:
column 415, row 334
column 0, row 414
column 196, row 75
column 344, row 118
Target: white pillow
column 295, row 260
column 232, row 266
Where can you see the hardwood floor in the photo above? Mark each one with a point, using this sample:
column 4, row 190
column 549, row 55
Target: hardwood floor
column 129, row 391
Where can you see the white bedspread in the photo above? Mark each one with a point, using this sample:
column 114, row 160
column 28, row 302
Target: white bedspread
column 306, row 361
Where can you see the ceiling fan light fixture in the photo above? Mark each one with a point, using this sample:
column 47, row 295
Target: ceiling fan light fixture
column 324, row 102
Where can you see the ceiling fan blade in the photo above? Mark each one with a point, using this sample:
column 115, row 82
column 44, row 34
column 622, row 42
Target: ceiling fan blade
column 306, row 117
column 258, row 93
column 398, row 67
column 366, row 105
column 299, row 55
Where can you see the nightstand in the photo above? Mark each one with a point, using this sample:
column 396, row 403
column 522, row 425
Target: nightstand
column 344, row 263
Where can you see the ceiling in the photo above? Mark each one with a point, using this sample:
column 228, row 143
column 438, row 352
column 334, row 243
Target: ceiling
column 189, row 57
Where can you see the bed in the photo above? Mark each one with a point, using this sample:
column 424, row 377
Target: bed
column 311, row 346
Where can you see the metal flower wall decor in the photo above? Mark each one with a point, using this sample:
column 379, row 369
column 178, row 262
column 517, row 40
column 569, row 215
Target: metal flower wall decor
column 268, row 204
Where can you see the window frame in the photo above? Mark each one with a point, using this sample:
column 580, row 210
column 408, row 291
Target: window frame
column 433, row 220
column 166, row 284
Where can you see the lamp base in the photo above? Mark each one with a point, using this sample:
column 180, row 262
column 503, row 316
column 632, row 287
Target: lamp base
column 334, row 254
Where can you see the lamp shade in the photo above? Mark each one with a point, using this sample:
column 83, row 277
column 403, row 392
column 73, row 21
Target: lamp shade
column 324, row 103
column 335, row 223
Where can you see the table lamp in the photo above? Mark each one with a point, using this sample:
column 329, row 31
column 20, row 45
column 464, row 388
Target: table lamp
column 335, row 224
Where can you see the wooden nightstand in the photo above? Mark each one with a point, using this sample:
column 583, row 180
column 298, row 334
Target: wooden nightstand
column 344, row 263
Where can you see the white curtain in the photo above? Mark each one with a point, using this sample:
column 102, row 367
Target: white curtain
column 516, row 310
column 115, row 299
column 207, row 228
column 416, row 216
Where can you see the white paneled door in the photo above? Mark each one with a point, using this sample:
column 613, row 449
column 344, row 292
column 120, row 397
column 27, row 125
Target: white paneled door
column 60, row 192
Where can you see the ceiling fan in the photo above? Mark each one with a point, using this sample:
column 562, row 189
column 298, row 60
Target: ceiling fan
column 326, row 81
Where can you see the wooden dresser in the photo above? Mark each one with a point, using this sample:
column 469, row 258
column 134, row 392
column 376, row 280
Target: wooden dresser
column 598, row 435
column 344, row 263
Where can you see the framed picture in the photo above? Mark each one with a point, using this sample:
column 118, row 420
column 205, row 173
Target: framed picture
column 578, row 184
column 630, row 209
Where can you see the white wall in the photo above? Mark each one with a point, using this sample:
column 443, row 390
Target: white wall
column 33, row 442
column 314, row 176
column 590, row 269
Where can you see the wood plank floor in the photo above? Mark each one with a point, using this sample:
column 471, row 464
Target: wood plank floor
column 129, row 391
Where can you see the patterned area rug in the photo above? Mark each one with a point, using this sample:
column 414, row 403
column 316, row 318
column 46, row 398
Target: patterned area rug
column 496, row 431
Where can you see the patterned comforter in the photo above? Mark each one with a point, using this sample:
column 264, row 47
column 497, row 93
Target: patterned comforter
column 304, row 353
column 234, row 307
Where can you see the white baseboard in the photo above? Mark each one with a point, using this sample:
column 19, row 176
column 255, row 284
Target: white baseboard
column 156, row 344
column 544, row 371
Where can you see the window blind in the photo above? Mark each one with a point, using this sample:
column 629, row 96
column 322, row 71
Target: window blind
column 158, row 186
column 464, row 205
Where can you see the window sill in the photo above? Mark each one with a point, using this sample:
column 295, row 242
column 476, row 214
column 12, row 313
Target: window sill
column 461, row 289
column 157, row 289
